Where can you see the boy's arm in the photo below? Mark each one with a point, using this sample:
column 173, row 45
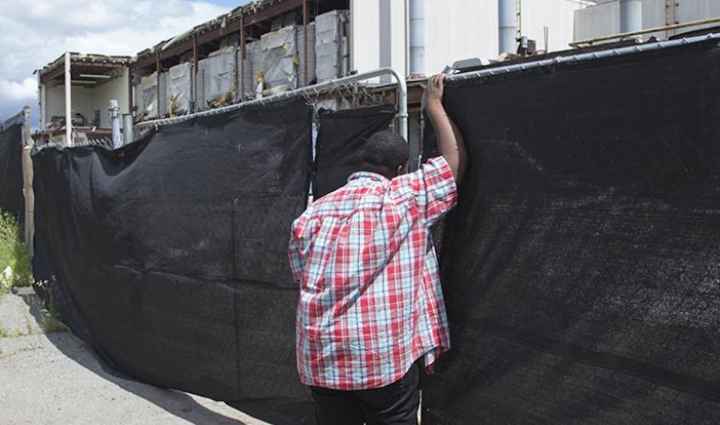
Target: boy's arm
column 295, row 256
column 450, row 141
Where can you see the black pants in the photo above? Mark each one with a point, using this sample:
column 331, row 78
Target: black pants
column 396, row 404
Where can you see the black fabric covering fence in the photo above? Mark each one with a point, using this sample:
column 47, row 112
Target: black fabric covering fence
column 340, row 136
column 170, row 255
column 582, row 266
column 11, row 176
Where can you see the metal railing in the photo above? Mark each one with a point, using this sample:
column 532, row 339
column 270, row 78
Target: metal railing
column 583, row 57
column 624, row 35
column 309, row 93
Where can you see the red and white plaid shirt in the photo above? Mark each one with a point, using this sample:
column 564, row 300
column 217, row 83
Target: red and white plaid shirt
column 370, row 297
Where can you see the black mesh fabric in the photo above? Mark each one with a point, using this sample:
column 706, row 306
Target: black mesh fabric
column 340, row 135
column 170, row 255
column 581, row 267
column 11, row 176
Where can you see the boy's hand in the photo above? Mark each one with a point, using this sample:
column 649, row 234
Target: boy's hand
column 434, row 91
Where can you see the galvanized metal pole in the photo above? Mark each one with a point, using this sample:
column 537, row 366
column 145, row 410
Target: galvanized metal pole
column 27, row 168
column 157, row 84
column 417, row 37
column 128, row 129
column 193, row 89
column 115, row 117
column 68, row 101
column 630, row 15
column 507, row 23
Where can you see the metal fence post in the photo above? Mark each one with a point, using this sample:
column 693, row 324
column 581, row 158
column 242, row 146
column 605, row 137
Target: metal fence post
column 115, row 117
column 28, row 193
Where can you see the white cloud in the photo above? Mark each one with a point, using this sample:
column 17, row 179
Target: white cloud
column 38, row 32
column 18, row 91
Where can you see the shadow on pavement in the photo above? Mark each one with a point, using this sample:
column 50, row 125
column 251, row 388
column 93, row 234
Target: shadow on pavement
column 176, row 403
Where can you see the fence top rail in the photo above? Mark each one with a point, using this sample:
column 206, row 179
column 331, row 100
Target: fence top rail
column 584, row 57
column 309, row 92
column 18, row 118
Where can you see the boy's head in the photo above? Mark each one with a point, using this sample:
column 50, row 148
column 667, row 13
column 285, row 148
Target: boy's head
column 384, row 153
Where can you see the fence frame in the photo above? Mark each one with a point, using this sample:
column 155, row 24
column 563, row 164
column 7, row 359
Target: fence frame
column 583, row 57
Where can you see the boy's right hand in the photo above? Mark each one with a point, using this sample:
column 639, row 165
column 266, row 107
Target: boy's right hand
column 434, row 91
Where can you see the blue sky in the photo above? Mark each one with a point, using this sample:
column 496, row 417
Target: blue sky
column 37, row 32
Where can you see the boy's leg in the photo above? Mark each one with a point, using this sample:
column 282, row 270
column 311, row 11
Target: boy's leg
column 396, row 404
column 334, row 407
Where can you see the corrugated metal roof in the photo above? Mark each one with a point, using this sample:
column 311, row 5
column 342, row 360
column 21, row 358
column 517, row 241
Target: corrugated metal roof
column 87, row 59
column 214, row 24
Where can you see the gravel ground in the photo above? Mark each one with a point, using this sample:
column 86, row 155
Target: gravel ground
column 55, row 379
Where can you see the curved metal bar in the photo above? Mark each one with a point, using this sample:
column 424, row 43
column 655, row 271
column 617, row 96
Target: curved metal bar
column 314, row 90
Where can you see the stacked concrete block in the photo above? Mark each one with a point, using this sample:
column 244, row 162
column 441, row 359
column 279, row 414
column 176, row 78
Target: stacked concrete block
column 179, row 89
column 148, row 104
column 331, row 45
column 247, row 74
column 216, row 79
column 278, row 60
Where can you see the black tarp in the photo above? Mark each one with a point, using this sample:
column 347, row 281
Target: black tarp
column 581, row 267
column 170, row 255
column 11, row 176
column 340, row 135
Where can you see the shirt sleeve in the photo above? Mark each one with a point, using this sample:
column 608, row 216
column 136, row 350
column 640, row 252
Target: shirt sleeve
column 430, row 191
column 295, row 247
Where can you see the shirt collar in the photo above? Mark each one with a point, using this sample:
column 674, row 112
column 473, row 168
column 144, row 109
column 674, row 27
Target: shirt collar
column 360, row 175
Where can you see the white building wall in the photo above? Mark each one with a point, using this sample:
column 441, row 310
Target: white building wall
column 460, row 29
column 604, row 19
column 454, row 30
column 556, row 15
column 371, row 44
column 597, row 21
column 100, row 96
column 86, row 100
column 81, row 102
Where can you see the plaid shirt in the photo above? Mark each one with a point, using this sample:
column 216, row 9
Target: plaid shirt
column 370, row 297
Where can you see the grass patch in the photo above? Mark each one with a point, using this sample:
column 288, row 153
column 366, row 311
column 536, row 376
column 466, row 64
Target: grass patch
column 15, row 268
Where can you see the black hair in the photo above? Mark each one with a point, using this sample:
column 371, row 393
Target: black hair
column 383, row 152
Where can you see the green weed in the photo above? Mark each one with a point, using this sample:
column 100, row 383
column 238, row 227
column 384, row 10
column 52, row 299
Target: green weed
column 15, row 268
